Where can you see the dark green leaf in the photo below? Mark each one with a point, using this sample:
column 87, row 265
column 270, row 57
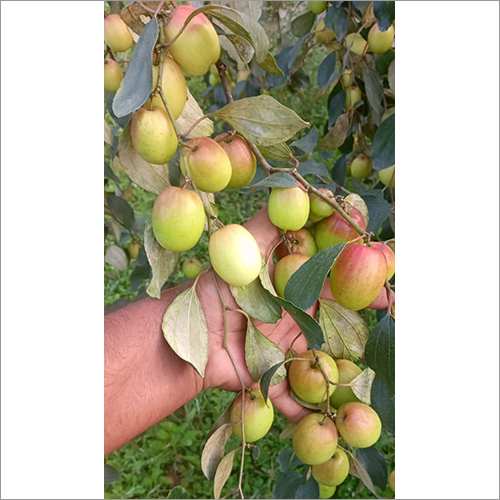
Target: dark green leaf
column 380, row 350
column 308, row 142
column 178, row 492
column 383, row 149
column 385, row 13
column 374, row 92
column 305, row 404
column 302, row 25
column 111, row 475
column 269, row 64
column 305, row 285
column 285, row 61
column 383, row 61
column 336, row 20
column 357, row 469
column 121, row 211
column 138, row 81
column 314, row 167
column 122, row 121
column 286, row 461
column 139, row 275
column 383, row 404
column 278, row 152
column 310, row 489
column 378, row 209
column 326, row 71
column 336, row 107
column 109, row 174
column 374, row 463
column 287, row 484
column 339, row 170
column 281, row 179
column 255, row 453
column 265, row 381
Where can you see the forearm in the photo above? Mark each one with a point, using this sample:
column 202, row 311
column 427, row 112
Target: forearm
column 144, row 380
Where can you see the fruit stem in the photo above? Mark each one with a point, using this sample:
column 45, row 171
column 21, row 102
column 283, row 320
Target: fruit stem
column 190, row 129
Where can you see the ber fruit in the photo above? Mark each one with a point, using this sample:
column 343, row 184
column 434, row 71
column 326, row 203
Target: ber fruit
column 235, row 255
column 323, row 34
column 356, row 43
column 153, row 135
column 133, row 249
column 241, row 157
column 361, row 167
column 113, row 75
column 392, row 481
column 258, row 416
column 357, row 276
column 388, row 176
column 317, row 7
column 389, row 257
column 347, row 78
column 116, row 34
column 315, row 439
column 289, row 208
column 178, row 219
column 303, row 243
column 380, row 41
column 307, row 380
column 319, row 207
column 352, row 96
column 191, row 268
column 284, row 270
column 334, row 471
column 198, row 47
column 208, row 163
column 326, row 491
column 358, row 424
column 348, row 371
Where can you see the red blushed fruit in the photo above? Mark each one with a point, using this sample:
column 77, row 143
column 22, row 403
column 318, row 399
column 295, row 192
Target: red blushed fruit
column 305, row 244
column 358, row 424
column 335, row 229
column 389, row 256
column 357, row 276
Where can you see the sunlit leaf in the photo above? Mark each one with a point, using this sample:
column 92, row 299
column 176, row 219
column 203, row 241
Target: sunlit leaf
column 213, row 451
column 223, row 472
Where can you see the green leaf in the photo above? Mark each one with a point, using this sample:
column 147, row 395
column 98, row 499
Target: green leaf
column 116, row 257
column 308, row 142
column 109, row 174
column 391, row 75
column 161, row 260
column 278, row 152
column 335, row 107
column 191, row 113
column 244, row 50
column 305, row 285
column 380, row 350
column 223, row 472
column 336, row 20
column 383, row 149
column 375, row 92
column 313, row 167
column 261, row 354
column 374, row 463
column 111, row 475
column 385, row 13
column 362, row 385
column 326, row 71
column 383, row 404
column 185, row 329
column 281, row 179
column 265, row 381
column 178, row 492
column 255, row 300
column 287, row 459
column 346, row 332
column 255, row 453
column 309, row 488
column 121, row 211
column 138, row 81
column 287, row 432
column 303, row 23
column 262, row 120
column 214, row 450
column 305, row 404
column 378, row 208
column 152, row 178
column 358, row 470
column 336, row 136
column 224, row 418
column 269, row 64
column 287, row 484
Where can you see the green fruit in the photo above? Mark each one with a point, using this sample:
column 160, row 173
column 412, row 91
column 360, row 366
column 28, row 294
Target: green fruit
column 315, row 439
column 153, row 135
column 361, row 167
column 133, row 249
column 284, row 270
column 388, row 176
column 334, row 471
column 392, row 481
column 317, row 7
column 213, row 80
column 235, row 255
column 116, row 34
column 289, row 208
column 174, row 87
column 380, row 41
column 307, row 380
column 347, row 78
column 208, row 164
column 113, row 75
column 241, row 157
column 258, row 416
column 348, row 371
column 304, row 243
column 326, row 491
column 320, row 207
column 357, row 276
column 356, row 43
column 352, row 96
column 323, row 34
column 198, row 47
column 358, row 424
column 191, row 268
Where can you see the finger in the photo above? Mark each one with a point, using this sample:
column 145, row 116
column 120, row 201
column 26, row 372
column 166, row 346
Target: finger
column 264, row 231
column 281, row 399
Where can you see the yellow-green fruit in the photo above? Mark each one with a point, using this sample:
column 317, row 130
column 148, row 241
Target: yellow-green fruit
column 153, row 135
column 315, row 439
column 113, row 75
column 323, row 34
column 388, row 176
column 358, row 424
column 198, row 47
column 361, row 167
column 352, row 96
column 235, row 255
column 213, row 70
column 348, row 371
column 191, row 268
column 317, row 7
column 243, row 162
column 334, row 471
column 174, row 87
column 392, row 481
column 258, row 416
column 213, row 80
column 356, row 43
column 133, row 249
column 306, row 378
column 116, row 34
column 319, row 207
column 289, row 208
column 208, row 164
column 347, row 78
column 326, row 491
column 380, row 41
column 178, row 219
column 284, row 270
